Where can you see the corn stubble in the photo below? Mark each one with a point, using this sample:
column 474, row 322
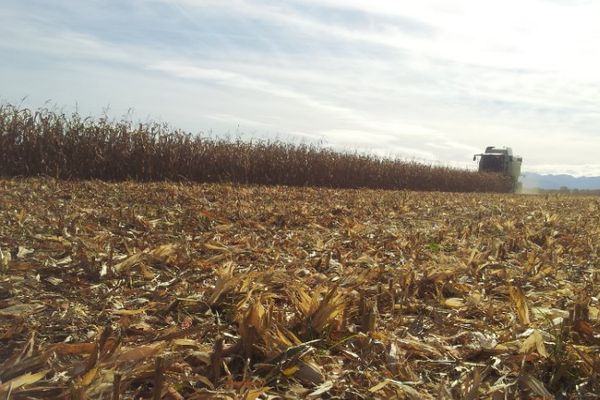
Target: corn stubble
column 179, row 291
column 51, row 143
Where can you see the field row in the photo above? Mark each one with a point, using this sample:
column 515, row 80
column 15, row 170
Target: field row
column 46, row 143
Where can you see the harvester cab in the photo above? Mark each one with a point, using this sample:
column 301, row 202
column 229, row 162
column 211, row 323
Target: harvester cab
column 502, row 161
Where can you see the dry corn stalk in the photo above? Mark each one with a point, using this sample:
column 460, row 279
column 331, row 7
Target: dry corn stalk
column 520, row 304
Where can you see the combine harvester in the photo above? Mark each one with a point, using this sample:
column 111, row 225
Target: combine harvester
column 501, row 161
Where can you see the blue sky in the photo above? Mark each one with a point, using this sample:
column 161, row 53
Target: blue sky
column 433, row 80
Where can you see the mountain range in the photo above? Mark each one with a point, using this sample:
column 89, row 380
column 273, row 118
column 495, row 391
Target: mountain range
column 532, row 180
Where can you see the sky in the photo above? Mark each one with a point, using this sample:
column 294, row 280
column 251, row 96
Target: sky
column 429, row 80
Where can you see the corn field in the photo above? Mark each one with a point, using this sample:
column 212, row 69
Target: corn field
column 54, row 144
column 180, row 291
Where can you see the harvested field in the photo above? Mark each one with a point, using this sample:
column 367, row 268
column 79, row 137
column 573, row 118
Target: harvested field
column 180, row 291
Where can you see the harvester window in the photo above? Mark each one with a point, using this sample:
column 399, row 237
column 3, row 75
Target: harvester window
column 491, row 164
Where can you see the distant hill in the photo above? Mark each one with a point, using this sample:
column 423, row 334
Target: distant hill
column 532, row 180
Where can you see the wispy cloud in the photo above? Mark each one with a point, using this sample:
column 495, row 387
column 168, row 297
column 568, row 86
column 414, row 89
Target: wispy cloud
column 432, row 79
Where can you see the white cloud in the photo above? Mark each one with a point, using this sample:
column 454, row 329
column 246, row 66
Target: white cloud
column 241, row 81
column 578, row 170
column 434, row 79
